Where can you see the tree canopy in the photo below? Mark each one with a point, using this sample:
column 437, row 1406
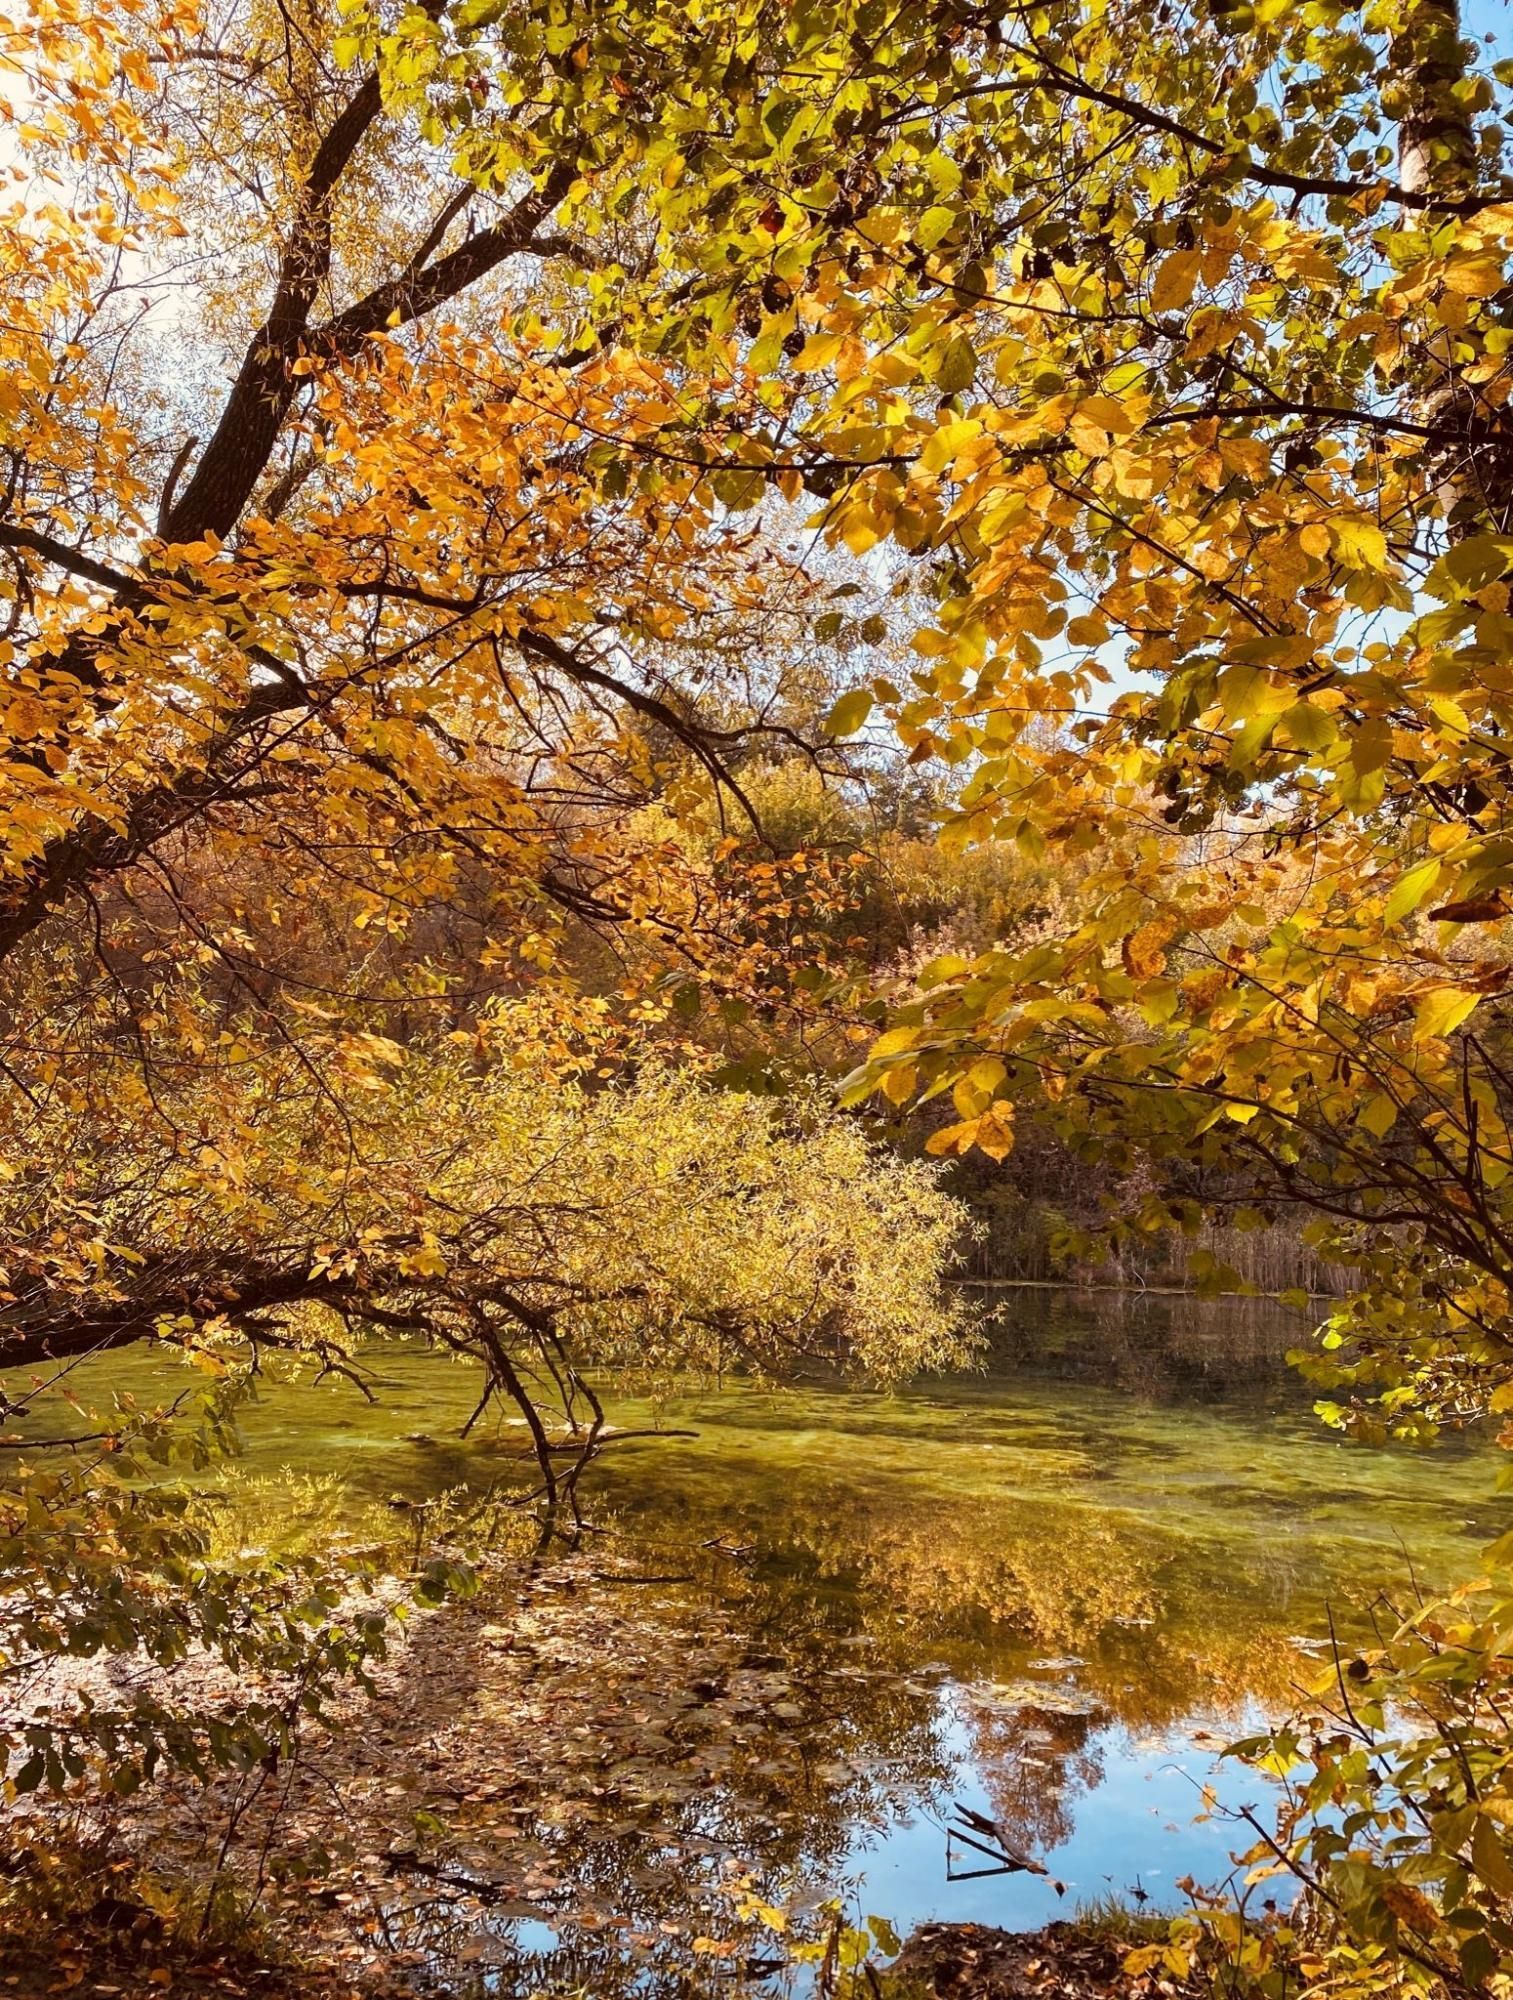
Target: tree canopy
column 411, row 421
column 1167, row 349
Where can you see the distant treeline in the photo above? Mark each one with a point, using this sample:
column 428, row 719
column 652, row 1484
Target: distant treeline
column 1020, row 1235
column 1028, row 1207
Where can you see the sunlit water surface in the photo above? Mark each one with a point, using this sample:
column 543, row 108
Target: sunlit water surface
column 1114, row 1548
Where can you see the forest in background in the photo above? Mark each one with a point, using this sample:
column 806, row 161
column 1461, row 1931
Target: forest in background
column 673, row 671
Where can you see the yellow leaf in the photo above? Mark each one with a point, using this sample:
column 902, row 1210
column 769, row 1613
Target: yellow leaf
column 1371, row 745
column 1412, row 889
column 1143, row 1959
column 819, row 350
column 1308, row 727
column 1108, row 413
column 995, row 1132
column 952, row 1138
column 25, row 718
column 1377, row 1116
column 898, row 1084
column 1488, row 1858
column 860, row 532
column 1475, row 277
column 1088, row 630
column 1144, row 953
column 1174, row 282
column 849, row 713
column 1359, row 543
column 1440, row 1011
column 1088, row 437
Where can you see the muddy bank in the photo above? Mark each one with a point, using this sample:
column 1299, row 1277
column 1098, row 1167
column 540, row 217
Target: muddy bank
column 1064, row 1961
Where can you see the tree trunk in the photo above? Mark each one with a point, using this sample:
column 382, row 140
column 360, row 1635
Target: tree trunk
column 1437, row 156
column 1436, row 146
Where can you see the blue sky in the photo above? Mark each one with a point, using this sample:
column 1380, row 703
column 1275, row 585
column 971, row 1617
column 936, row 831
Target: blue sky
column 1489, row 17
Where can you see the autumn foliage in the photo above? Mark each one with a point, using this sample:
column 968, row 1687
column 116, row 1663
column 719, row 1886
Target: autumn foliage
column 411, row 422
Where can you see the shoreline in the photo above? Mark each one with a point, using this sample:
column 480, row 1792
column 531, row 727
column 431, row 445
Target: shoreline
column 1130, row 1291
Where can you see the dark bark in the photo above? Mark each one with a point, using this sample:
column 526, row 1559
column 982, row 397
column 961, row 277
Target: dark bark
column 1473, row 451
column 228, row 472
column 99, row 848
column 234, row 459
column 47, row 1325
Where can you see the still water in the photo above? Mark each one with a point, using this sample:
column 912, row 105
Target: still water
column 1046, row 1591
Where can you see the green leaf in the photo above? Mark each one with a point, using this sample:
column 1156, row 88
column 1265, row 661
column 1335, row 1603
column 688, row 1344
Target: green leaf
column 1412, row 889
column 1478, row 1958
column 30, row 1774
column 956, row 367
column 849, row 713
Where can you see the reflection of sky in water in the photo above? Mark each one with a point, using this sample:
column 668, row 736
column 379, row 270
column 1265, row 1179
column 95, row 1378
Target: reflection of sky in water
column 1118, row 1527
column 1135, row 1828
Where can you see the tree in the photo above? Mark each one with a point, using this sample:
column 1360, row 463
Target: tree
column 1151, row 341
column 352, row 709
column 1169, row 343
column 544, row 1230
column 1271, row 469
column 1173, row 342
column 365, row 702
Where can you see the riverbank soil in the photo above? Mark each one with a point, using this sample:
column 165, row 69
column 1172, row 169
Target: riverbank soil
column 976, row 1962
column 940, row 1962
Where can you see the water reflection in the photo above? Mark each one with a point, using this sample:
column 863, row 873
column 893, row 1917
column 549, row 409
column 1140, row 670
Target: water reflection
column 1163, row 1346
column 1024, row 1589
column 587, row 1782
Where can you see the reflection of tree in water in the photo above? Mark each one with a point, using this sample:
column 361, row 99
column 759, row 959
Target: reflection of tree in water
column 988, row 1583
column 602, row 1753
column 596, row 1755
column 1164, row 1347
column 599, row 1749
column 1034, row 1762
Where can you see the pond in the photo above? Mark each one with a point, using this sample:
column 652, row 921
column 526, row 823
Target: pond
column 1046, row 1591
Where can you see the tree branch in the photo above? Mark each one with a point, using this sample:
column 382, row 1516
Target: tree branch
column 418, row 291
column 234, row 459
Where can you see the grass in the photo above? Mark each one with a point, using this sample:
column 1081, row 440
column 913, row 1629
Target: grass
column 1119, row 1920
